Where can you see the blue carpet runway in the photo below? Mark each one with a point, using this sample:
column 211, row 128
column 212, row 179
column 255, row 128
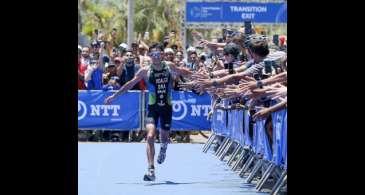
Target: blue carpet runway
column 118, row 169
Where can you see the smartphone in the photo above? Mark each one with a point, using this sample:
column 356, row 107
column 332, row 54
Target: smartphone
column 268, row 67
column 248, row 27
column 275, row 40
column 230, row 68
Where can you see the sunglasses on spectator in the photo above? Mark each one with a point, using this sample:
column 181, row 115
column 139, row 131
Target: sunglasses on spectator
column 155, row 54
column 129, row 55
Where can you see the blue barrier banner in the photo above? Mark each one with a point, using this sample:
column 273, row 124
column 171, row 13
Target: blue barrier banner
column 255, row 138
column 262, row 142
column 267, row 147
column 284, row 140
column 277, row 118
column 218, row 121
column 213, row 125
column 235, row 12
column 189, row 111
column 237, row 126
column 228, row 129
column 122, row 114
column 248, row 140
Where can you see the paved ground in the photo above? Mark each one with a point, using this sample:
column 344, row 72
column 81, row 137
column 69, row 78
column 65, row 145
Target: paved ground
column 118, row 168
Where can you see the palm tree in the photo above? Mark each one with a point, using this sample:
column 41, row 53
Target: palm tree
column 155, row 16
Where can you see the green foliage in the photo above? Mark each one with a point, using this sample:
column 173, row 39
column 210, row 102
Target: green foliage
column 155, row 16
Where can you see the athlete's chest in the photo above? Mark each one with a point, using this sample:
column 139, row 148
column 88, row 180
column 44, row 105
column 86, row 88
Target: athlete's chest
column 160, row 77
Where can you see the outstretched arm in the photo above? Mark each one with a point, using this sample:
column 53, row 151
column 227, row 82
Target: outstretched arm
column 127, row 86
column 265, row 112
column 179, row 70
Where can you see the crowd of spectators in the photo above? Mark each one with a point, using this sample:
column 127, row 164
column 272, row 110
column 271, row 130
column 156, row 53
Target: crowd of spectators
column 238, row 68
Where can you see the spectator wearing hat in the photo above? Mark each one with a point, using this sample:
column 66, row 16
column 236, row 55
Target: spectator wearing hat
column 94, row 72
column 135, row 51
column 194, row 61
column 122, row 49
column 113, row 84
column 129, row 69
column 110, row 71
column 169, row 54
column 189, row 51
column 94, row 50
column 85, row 56
column 94, row 75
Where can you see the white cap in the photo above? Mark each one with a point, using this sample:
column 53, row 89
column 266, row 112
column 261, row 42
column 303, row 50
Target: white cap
column 191, row 49
column 168, row 50
column 124, row 45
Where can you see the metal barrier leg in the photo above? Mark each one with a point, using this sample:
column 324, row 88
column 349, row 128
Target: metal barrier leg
column 206, row 143
column 234, row 154
column 244, row 155
column 221, row 146
column 240, row 158
column 224, row 152
column 224, row 147
column 209, row 143
column 247, row 165
column 254, row 171
column 265, row 176
column 279, row 184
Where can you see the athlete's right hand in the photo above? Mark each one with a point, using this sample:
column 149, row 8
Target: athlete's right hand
column 109, row 100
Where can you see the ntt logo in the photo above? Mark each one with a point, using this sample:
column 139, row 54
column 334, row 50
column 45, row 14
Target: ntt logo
column 82, row 110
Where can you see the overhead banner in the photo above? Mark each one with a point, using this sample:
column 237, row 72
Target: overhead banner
column 122, row 114
column 235, row 12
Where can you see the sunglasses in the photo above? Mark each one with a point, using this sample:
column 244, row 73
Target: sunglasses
column 155, row 54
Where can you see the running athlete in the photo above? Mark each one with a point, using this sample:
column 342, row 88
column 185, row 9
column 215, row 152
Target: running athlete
column 158, row 77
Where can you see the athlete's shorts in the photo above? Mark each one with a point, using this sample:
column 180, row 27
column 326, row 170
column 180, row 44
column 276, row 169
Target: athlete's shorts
column 160, row 113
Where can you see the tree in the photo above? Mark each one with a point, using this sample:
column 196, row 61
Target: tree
column 155, row 16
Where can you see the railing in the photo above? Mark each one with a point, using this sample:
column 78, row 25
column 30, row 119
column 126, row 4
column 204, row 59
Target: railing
column 247, row 145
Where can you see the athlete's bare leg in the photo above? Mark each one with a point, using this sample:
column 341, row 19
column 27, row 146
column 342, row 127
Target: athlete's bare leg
column 164, row 142
column 151, row 132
